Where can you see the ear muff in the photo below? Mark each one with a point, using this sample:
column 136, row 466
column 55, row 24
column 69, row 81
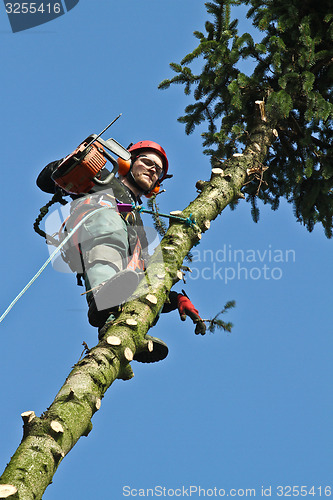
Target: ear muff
column 153, row 191
column 123, row 166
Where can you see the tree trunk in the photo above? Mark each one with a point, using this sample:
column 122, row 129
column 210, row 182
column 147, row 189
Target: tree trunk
column 47, row 439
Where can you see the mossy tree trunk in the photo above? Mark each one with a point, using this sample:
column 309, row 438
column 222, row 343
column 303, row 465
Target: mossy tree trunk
column 48, row 438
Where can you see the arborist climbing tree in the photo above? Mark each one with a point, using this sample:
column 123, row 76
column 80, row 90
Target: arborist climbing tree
column 110, row 249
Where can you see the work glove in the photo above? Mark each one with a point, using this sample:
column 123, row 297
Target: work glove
column 186, row 308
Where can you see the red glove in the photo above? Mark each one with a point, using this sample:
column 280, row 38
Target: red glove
column 185, row 307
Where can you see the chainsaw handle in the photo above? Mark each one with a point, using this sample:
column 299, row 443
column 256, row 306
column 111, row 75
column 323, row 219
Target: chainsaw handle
column 104, row 181
column 111, row 174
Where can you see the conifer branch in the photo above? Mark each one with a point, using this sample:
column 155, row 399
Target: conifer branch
column 218, row 323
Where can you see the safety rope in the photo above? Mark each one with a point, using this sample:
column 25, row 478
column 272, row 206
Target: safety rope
column 39, row 272
column 189, row 221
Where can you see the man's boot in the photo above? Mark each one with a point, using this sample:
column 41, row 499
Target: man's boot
column 159, row 352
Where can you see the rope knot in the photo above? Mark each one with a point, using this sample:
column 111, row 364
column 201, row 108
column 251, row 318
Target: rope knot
column 190, row 221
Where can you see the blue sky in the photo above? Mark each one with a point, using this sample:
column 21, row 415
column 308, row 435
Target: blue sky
column 243, row 410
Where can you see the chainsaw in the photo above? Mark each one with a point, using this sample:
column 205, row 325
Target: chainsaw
column 81, row 170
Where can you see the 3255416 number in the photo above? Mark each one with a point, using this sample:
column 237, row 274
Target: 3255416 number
column 33, row 8
column 295, row 491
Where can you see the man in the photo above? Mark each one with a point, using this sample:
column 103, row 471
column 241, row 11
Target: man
column 110, row 250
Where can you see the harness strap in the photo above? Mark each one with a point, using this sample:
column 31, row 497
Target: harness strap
column 135, row 261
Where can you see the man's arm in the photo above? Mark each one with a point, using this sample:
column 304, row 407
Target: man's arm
column 185, row 308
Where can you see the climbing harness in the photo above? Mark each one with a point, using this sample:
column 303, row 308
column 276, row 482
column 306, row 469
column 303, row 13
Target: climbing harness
column 122, row 207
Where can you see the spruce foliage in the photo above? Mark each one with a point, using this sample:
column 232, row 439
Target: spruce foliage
column 292, row 72
column 159, row 224
column 217, row 322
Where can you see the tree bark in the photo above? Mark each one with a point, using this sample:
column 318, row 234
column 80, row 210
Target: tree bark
column 47, row 439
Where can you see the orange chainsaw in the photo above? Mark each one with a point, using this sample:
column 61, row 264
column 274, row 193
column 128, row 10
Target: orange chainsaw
column 79, row 171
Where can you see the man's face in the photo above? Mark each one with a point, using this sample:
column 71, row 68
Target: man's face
column 147, row 169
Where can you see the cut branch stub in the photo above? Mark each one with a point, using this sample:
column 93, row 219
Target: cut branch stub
column 27, row 417
column 180, row 275
column 200, row 185
column 57, row 455
column 98, row 404
column 71, row 396
column 113, row 340
column 131, row 322
column 261, row 107
column 256, row 170
column 206, row 224
column 128, row 354
column 217, row 171
column 151, row 298
column 7, row 490
column 57, row 427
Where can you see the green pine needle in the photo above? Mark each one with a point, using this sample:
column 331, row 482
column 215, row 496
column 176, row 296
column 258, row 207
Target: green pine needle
column 218, row 323
column 290, row 69
column 159, row 224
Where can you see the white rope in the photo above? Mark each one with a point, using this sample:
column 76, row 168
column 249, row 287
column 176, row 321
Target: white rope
column 39, row 272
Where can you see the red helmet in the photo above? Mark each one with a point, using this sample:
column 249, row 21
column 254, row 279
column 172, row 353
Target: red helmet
column 124, row 166
column 154, row 147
